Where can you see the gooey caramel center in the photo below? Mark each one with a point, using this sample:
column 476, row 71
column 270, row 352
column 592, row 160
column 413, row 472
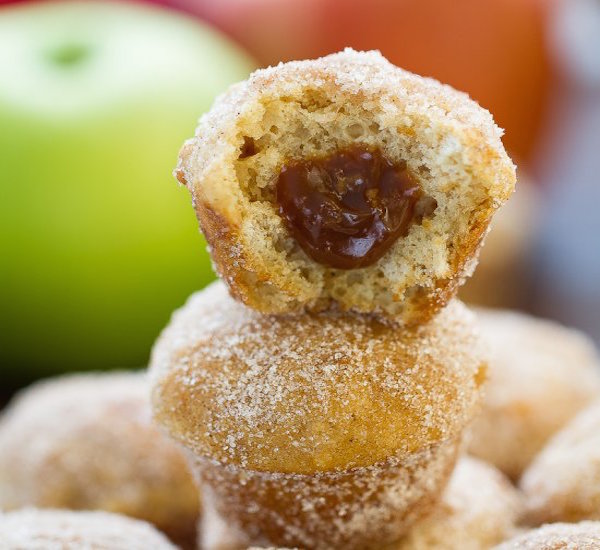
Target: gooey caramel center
column 346, row 209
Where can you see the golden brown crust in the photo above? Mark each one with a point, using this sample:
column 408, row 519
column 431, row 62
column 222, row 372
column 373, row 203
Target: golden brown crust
column 501, row 279
column 87, row 442
column 330, row 430
column 315, row 392
column 445, row 137
column 360, row 508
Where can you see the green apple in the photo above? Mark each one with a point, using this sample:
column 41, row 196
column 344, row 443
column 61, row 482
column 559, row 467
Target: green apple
column 98, row 244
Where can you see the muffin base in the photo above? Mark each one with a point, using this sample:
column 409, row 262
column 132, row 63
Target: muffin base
column 355, row 509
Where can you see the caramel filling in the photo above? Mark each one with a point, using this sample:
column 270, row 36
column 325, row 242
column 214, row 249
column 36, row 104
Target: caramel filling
column 346, row 209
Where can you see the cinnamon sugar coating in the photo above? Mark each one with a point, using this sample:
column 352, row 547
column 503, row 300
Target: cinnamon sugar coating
column 318, row 430
column 312, row 393
column 478, row 509
column 541, row 374
column 87, row 442
column 356, row 509
column 563, row 482
column 302, row 110
column 33, row 529
column 557, row 536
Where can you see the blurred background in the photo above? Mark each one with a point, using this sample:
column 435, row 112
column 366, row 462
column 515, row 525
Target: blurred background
column 99, row 244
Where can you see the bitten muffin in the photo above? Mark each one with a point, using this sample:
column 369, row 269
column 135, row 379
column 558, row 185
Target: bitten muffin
column 563, row 482
column 345, row 181
column 320, row 430
column 479, row 508
column 87, row 442
column 541, row 375
column 557, row 536
column 31, row 529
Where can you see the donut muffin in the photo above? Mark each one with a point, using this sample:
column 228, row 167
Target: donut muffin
column 87, row 442
column 345, row 181
column 541, row 375
column 563, row 482
column 320, row 430
column 31, row 529
column 479, row 508
column 557, row 536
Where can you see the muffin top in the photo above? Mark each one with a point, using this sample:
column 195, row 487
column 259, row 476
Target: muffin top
column 315, row 392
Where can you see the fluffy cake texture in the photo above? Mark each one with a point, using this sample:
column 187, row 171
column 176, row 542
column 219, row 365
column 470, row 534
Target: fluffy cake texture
column 321, row 430
column 300, row 110
column 87, row 442
column 541, row 374
column 478, row 509
column 563, row 482
column 558, row 536
column 31, row 529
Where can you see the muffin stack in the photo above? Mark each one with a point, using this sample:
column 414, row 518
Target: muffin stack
column 322, row 401
column 322, row 392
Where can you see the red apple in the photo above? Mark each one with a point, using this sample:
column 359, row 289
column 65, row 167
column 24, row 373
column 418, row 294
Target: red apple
column 494, row 49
